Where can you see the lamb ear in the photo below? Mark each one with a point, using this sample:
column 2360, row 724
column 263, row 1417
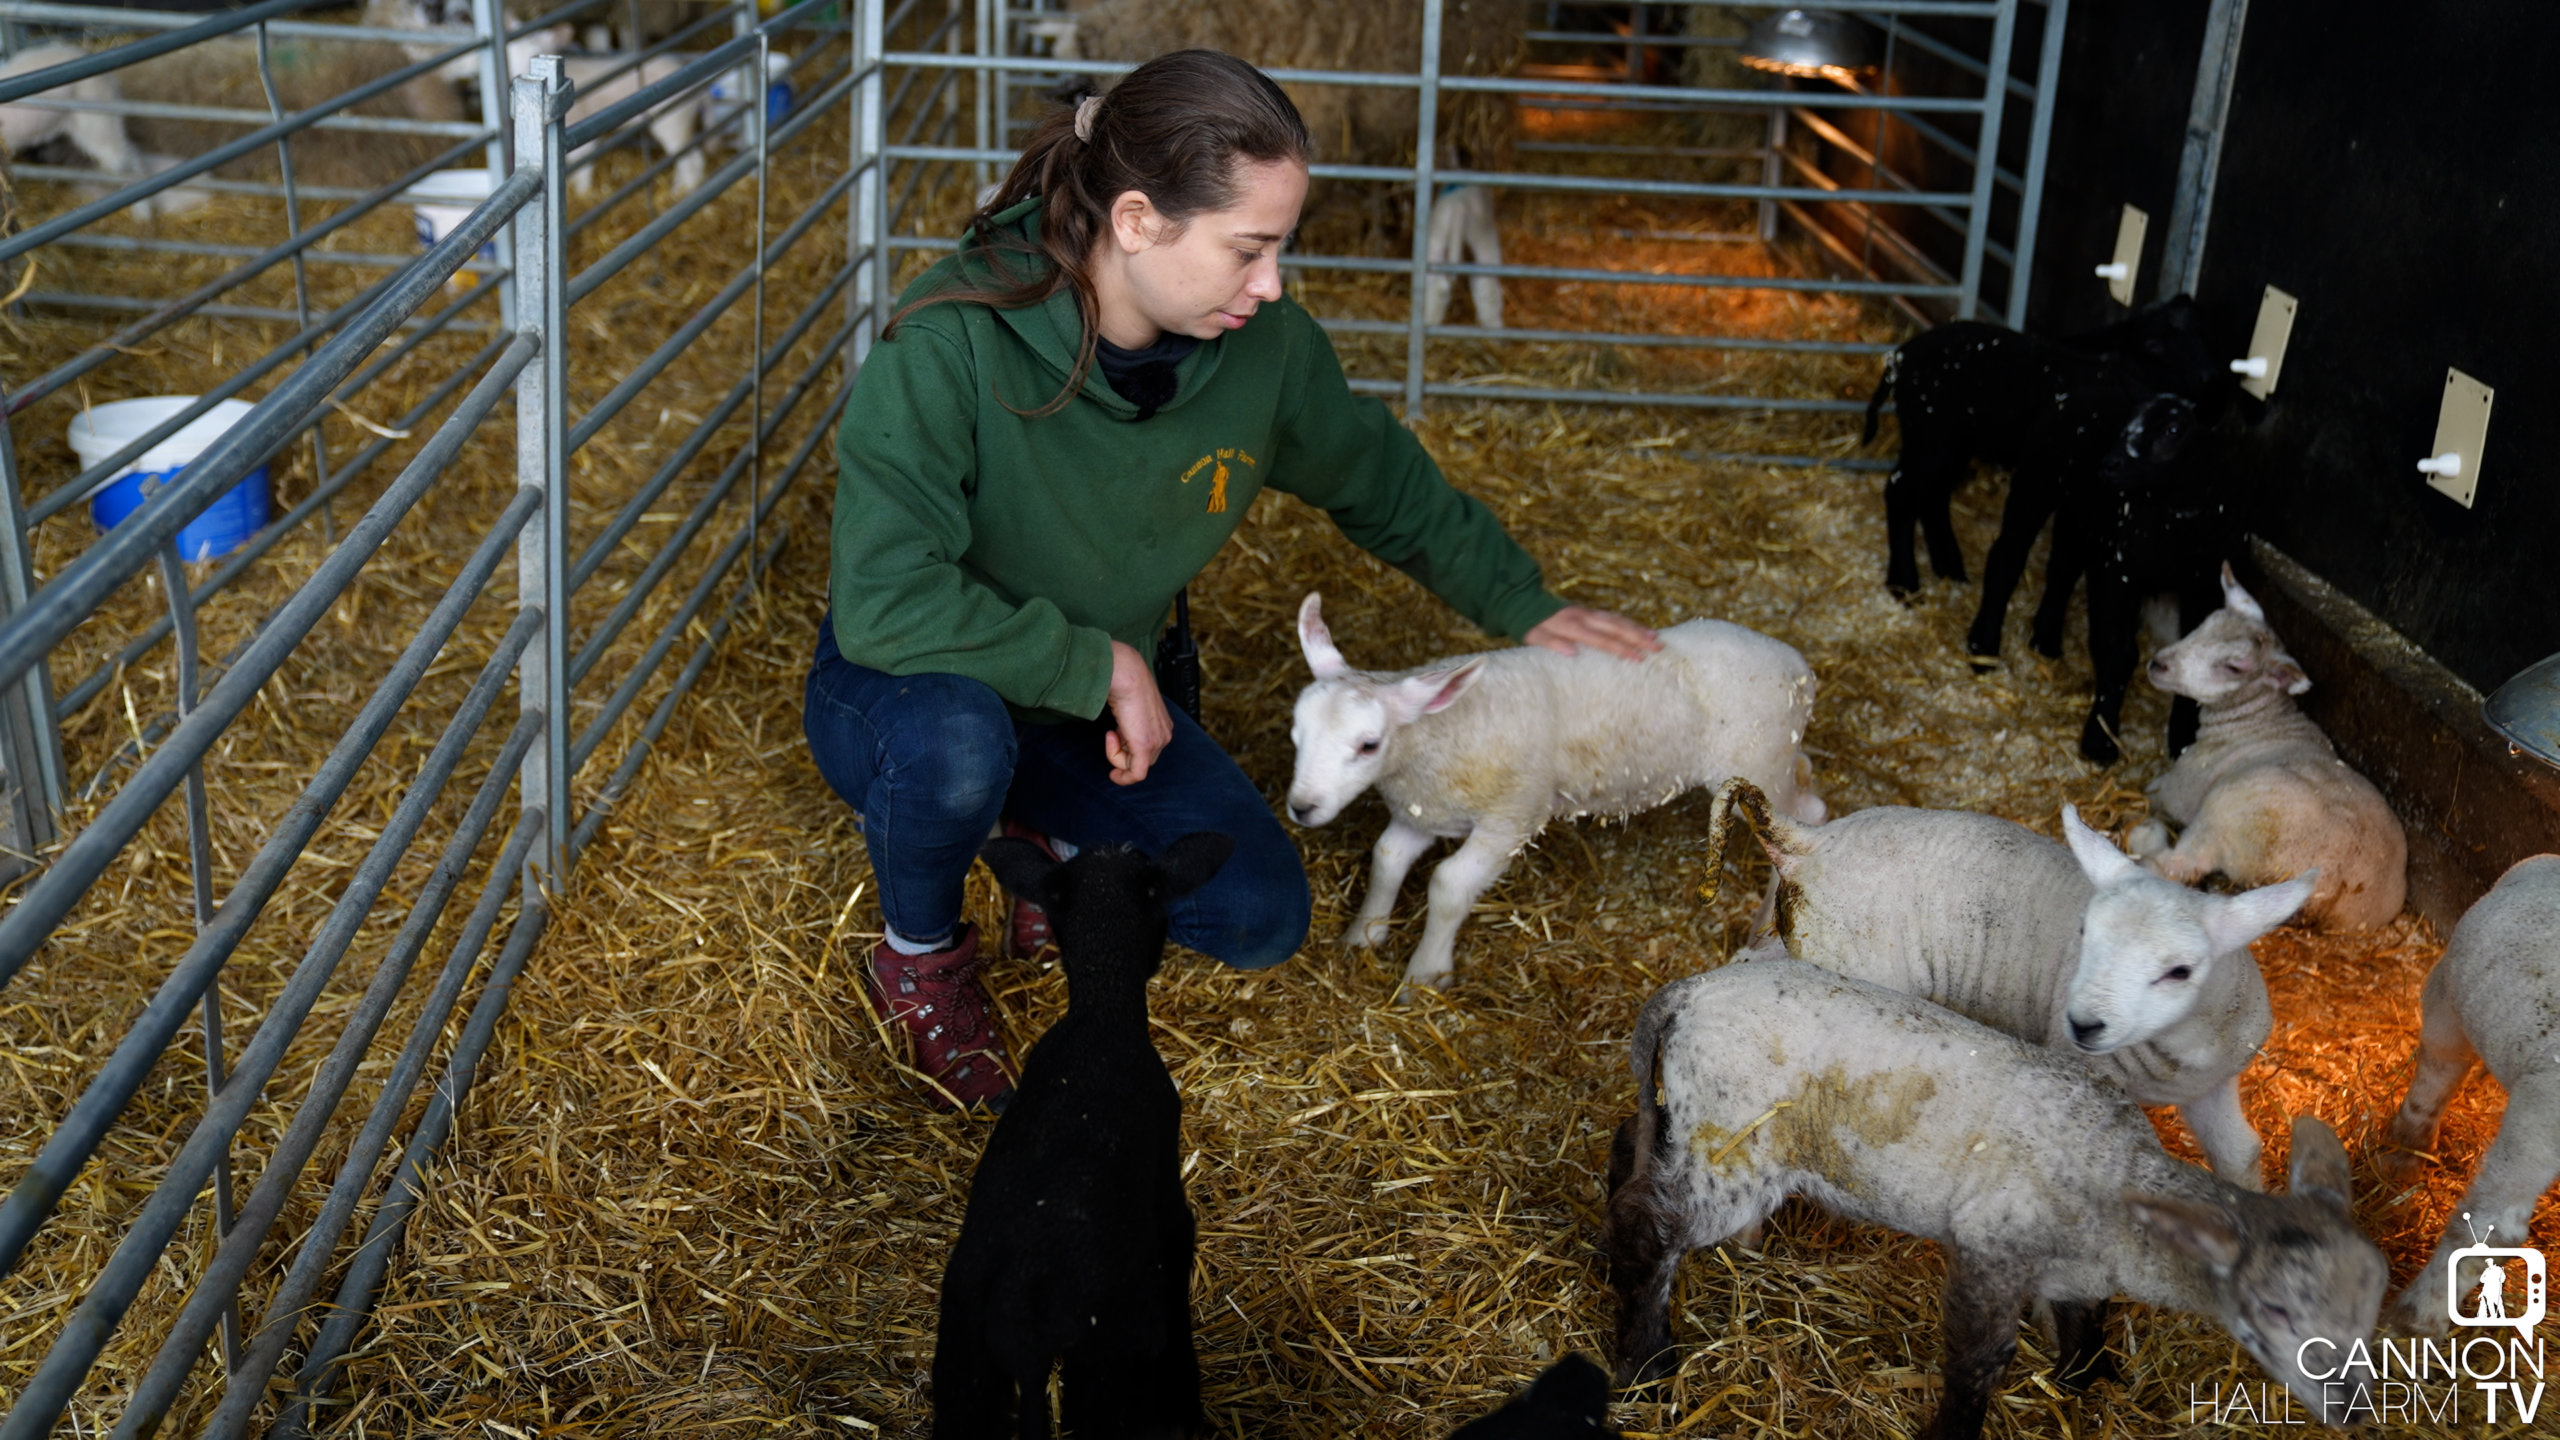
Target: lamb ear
column 1316, row 640
column 2320, row 1165
column 2232, row 921
column 1430, row 692
column 1190, row 862
column 2238, row 601
column 1022, row 867
column 2099, row 858
column 2202, row 1231
column 2287, row 672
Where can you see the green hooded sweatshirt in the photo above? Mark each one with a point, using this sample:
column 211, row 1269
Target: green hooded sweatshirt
column 971, row 539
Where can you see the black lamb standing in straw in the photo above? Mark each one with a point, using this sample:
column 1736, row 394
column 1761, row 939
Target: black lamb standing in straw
column 1568, row 1401
column 1076, row 1249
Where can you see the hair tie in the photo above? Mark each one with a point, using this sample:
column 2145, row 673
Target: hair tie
column 1085, row 109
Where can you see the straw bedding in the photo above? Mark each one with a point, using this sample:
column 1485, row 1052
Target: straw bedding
column 693, row 1194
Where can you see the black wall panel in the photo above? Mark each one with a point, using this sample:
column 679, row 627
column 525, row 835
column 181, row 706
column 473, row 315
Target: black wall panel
column 2392, row 166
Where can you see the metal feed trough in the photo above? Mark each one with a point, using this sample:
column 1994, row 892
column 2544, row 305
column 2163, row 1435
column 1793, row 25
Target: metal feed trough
column 883, row 91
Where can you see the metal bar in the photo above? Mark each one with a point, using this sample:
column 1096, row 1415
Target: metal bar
column 26, row 926
column 117, row 17
column 1425, row 159
column 36, row 82
column 90, row 1326
column 245, row 1389
column 1685, row 97
column 630, row 386
column 356, row 1293
column 675, row 545
column 1523, row 180
column 182, row 618
column 226, row 115
column 184, row 170
column 641, row 241
column 363, row 306
column 2022, row 263
column 673, row 550
column 408, row 1184
column 238, row 561
column 1919, row 40
column 159, row 1387
column 302, row 309
column 602, row 546
column 874, row 292
column 1986, row 167
column 1367, row 265
column 665, row 711
column 77, row 175
column 542, row 102
column 1454, row 391
column 489, row 22
column 1608, row 337
column 140, row 245
column 27, row 713
column 2200, row 160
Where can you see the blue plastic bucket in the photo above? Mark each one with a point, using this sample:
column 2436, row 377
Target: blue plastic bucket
column 102, row 430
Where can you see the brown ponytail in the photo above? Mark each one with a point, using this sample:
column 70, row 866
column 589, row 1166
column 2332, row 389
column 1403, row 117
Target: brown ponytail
column 1174, row 130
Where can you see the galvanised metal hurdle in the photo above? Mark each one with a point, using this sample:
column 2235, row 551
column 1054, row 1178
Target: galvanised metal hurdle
column 1792, row 183
column 586, row 646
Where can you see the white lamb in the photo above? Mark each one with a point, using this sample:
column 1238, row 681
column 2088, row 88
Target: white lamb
column 2262, row 794
column 1462, row 223
column 2080, row 949
column 99, row 135
column 2040, row 1181
column 2494, row 997
column 672, row 125
column 1488, row 748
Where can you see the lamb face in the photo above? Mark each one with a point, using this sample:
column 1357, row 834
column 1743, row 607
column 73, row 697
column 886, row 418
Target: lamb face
column 2291, row 1276
column 1341, row 732
column 2148, row 947
column 2230, row 652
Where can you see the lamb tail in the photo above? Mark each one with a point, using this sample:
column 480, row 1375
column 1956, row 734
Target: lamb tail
column 1736, row 797
column 1884, row 387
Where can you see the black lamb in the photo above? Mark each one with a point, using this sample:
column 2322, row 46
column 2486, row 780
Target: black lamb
column 1568, row 1401
column 2152, row 521
column 2048, row 410
column 1076, row 1248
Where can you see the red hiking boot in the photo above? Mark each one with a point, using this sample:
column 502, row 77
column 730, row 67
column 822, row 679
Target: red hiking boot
column 937, row 1000
column 1028, row 937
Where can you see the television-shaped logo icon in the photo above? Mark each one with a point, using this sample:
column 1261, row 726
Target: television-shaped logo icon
column 2510, row 1290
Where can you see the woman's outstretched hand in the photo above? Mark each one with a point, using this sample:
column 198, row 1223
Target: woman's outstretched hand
column 1569, row 629
column 1140, row 727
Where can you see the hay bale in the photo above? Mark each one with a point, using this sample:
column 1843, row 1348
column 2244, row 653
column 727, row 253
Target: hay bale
column 224, row 72
column 1351, row 126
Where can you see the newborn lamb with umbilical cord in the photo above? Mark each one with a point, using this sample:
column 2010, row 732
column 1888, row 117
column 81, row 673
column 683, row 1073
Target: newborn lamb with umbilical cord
column 1488, row 748
column 2038, row 1178
column 2262, row 794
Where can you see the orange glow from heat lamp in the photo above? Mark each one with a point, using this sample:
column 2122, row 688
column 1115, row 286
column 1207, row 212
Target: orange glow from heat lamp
column 1815, row 44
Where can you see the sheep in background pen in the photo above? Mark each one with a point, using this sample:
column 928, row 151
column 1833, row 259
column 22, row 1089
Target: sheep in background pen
column 1462, row 220
column 223, row 72
column 2038, row 1179
column 2493, row 998
column 2079, row 949
column 1487, row 749
column 98, row 135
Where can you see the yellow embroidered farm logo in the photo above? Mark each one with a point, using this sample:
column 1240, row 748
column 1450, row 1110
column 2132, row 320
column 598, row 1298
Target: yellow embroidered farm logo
column 1217, row 477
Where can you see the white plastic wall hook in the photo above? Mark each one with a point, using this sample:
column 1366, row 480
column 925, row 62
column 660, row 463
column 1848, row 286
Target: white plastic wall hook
column 2115, row 270
column 2121, row 266
column 2255, row 367
column 2462, row 436
column 2448, row 465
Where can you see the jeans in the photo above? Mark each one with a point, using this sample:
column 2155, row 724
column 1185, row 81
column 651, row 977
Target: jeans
column 931, row 762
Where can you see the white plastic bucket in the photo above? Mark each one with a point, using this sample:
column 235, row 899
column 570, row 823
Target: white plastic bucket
column 102, row 430
column 732, row 91
column 443, row 199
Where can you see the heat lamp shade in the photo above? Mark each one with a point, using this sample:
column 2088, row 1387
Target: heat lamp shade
column 2526, row 710
column 1809, row 42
